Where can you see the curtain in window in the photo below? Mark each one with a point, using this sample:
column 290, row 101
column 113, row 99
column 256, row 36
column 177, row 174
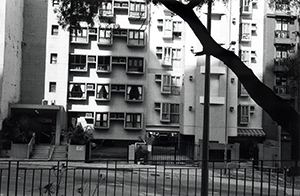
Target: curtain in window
column 168, row 54
column 244, row 114
column 76, row 90
column 165, row 110
column 103, row 91
column 134, row 92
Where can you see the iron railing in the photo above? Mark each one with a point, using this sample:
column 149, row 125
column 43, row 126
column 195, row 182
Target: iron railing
column 28, row 177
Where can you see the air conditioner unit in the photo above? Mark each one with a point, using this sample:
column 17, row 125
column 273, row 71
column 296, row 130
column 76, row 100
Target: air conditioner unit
column 44, row 102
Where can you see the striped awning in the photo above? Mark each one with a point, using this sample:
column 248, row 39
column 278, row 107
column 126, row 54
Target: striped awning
column 251, row 132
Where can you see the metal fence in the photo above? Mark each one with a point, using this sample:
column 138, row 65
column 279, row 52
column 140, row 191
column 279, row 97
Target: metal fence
column 27, row 177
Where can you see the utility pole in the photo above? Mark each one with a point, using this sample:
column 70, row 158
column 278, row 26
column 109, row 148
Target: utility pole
column 205, row 152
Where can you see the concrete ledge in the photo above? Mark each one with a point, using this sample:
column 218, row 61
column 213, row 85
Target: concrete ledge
column 214, row 100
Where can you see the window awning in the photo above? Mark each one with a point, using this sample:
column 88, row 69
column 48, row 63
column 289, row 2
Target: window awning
column 251, row 132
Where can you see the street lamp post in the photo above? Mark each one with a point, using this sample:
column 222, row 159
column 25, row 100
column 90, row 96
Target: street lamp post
column 205, row 152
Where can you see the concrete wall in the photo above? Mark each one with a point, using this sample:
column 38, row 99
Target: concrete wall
column 34, row 38
column 56, row 44
column 11, row 25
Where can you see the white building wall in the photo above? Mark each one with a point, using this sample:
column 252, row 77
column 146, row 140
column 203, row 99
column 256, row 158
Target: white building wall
column 11, row 24
column 56, row 44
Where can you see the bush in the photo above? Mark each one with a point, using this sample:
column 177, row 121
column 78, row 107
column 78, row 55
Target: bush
column 78, row 136
column 16, row 129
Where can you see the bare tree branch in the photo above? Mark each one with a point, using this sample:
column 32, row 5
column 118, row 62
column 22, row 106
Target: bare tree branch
column 194, row 3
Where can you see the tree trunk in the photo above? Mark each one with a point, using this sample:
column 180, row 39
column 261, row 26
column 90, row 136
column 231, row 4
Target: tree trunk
column 281, row 112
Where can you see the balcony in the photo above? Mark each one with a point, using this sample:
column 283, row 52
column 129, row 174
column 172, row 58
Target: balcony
column 282, row 91
column 106, row 9
column 279, row 68
column 78, row 67
column 135, row 65
column 282, row 37
column 105, row 37
column 167, row 62
column 137, row 15
column 136, row 38
column 137, row 11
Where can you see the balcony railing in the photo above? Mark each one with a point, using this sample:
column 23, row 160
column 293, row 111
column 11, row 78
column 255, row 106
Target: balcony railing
column 282, row 37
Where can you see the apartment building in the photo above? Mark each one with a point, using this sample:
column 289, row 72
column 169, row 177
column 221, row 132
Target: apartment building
column 282, row 34
column 251, row 52
column 134, row 75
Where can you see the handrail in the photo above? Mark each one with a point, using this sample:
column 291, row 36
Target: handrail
column 52, row 147
column 31, row 145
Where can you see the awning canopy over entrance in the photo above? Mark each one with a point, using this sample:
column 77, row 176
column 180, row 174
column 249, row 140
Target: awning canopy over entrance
column 162, row 129
column 251, row 132
column 46, row 120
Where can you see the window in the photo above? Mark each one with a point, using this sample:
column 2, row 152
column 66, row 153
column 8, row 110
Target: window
column 135, row 64
column 177, row 29
column 55, row 2
column 101, row 120
column 176, row 54
column 171, row 56
column 137, row 9
column 281, row 30
column 168, row 33
column 159, row 53
column 79, row 35
column 133, row 121
column 281, row 24
column 54, row 30
column 136, row 38
column 103, row 64
column 177, row 26
column 167, row 61
column 106, row 8
column 245, row 57
column 76, row 90
column 169, row 113
column 244, row 114
column 175, row 85
column 281, row 84
column 281, row 52
column 170, row 84
column 103, row 92
column 246, row 32
column 247, row 6
column 53, row 58
column 105, row 36
column 134, row 93
column 242, row 91
column 166, row 84
column 78, row 62
column 52, row 87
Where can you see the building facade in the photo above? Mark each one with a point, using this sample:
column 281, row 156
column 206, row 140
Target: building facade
column 134, row 75
column 281, row 32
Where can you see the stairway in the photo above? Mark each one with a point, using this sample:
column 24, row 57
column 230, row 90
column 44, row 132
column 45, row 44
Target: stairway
column 60, row 152
column 41, row 151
